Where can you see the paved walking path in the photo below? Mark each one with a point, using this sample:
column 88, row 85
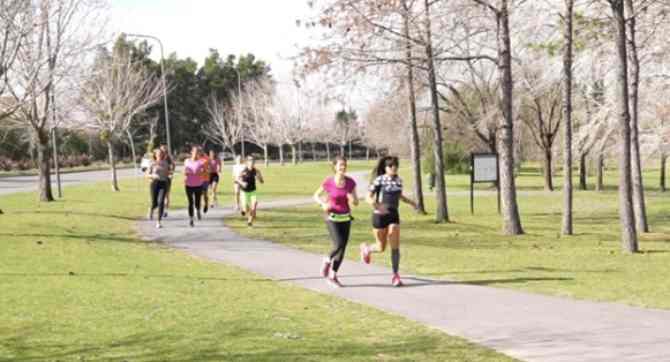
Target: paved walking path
column 526, row 326
column 12, row 184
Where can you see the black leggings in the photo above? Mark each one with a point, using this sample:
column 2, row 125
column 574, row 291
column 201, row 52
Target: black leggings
column 339, row 235
column 158, row 192
column 193, row 194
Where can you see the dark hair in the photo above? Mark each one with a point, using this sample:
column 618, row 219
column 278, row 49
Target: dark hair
column 337, row 159
column 380, row 168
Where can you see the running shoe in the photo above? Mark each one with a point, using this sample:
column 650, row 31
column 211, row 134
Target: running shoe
column 199, row 215
column 158, row 225
column 150, row 215
column 205, row 209
column 249, row 224
column 396, row 282
column 190, row 223
column 242, row 212
column 325, row 267
column 365, row 253
column 165, row 214
column 334, row 282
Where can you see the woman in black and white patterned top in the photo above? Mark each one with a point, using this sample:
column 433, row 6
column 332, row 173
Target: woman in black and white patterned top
column 384, row 195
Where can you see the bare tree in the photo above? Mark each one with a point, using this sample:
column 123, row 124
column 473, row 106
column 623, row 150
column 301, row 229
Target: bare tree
column 61, row 33
column 226, row 123
column 259, row 95
column 117, row 91
column 626, row 210
column 541, row 113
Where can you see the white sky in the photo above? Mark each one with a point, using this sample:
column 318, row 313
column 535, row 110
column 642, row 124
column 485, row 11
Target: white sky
column 265, row 28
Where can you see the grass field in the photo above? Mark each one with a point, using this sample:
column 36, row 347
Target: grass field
column 589, row 265
column 78, row 285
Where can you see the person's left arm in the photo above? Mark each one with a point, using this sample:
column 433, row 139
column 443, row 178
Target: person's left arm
column 260, row 176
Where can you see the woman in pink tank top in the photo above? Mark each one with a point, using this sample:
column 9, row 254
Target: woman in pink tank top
column 193, row 169
column 341, row 192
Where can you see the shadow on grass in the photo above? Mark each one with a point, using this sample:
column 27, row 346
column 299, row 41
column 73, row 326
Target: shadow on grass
column 77, row 213
column 84, row 237
column 176, row 346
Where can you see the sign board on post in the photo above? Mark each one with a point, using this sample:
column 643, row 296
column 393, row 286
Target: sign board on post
column 483, row 168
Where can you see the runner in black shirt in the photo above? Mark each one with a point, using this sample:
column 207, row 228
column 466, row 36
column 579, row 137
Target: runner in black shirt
column 384, row 195
column 247, row 182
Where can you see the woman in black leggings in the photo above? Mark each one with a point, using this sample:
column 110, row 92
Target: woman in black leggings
column 341, row 191
column 193, row 170
column 159, row 173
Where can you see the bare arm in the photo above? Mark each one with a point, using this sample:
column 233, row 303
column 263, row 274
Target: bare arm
column 260, row 176
column 408, row 201
column 353, row 197
column 319, row 200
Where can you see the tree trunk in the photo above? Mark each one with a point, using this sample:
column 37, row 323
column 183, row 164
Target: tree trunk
column 566, row 224
column 600, row 186
column 442, row 212
column 112, row 164
column 626, row 210
column 301, row 157
column 510, row 209
column 636, row 164
column 313, row 151
column 56, row 162
column 342, row 146
column 294, row 159
column 132, row 150
column 281, row 155
column 548, row 179
column 662, row 181
column 328, row 151
column 582, row 171
column 415, row 141
column 351, row 153
column 367, row 153
column 44, row 166
column 265, row 156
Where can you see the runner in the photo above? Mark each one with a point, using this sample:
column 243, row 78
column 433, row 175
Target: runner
column 215, row 167
column 158, row 172
column 341, row 191
column 169, row 182
column 193, row 169
column 247, row 182
column 238, row 167
column 205, row 174
column 385, row 196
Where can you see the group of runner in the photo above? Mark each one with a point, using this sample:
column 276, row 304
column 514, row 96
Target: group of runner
column 202, row 177
column 384, row 195
column 201, row 182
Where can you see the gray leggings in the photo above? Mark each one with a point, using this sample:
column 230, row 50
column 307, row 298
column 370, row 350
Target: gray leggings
column 339, row 235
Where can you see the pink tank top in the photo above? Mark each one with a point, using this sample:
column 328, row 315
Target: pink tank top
column 193, row 171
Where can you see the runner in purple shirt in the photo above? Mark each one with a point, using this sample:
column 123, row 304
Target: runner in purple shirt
column 341, row 192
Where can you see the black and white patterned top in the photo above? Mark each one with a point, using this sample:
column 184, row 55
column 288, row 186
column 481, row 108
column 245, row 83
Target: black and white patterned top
column 388, row 190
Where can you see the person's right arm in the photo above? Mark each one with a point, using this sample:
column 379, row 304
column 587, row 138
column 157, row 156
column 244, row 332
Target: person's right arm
column 319, row 200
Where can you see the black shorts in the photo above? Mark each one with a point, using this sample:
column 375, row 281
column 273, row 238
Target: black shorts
column 380, row 221
column 214, row 178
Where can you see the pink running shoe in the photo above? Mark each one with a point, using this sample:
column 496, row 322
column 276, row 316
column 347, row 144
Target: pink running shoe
column 325, row 267
column 365, row 253
column 396, row 282
column 334, row 282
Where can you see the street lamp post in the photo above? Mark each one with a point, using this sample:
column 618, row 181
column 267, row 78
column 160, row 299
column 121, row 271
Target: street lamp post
column 165, row 101
column 239, row 94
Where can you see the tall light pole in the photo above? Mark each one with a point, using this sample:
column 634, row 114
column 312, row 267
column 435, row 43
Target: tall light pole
column 239, row 94
column 165, row 101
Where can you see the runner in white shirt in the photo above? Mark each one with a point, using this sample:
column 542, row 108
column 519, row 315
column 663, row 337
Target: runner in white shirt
column 238, row 167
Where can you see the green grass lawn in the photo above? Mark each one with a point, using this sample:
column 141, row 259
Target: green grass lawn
column 589, row 265
column 78, row 285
